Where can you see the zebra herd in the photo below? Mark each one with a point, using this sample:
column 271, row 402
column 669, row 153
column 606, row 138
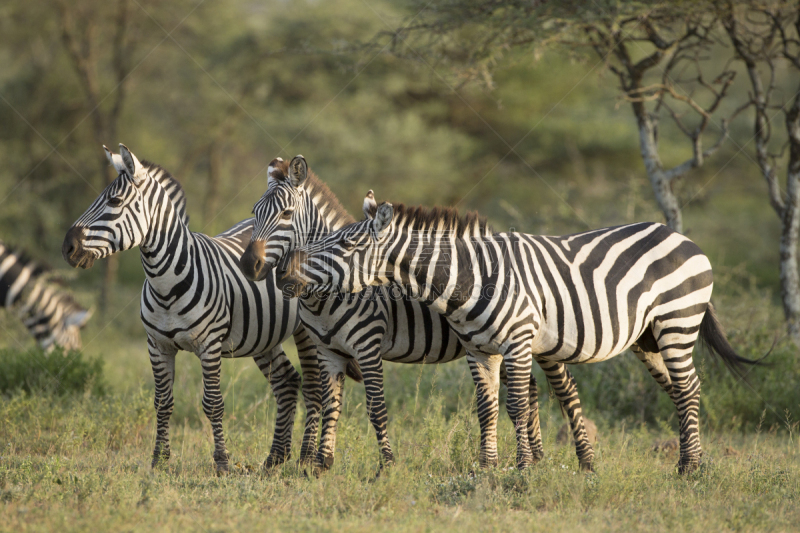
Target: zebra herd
column 406, row 285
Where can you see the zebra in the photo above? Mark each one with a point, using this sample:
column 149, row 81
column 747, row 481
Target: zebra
column 49, row 313
column 196, row 299
column 372, row 326
column 575, row 299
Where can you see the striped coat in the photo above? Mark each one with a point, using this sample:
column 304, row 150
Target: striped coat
column 196, row 299
column 575, row 299
column 374, row 325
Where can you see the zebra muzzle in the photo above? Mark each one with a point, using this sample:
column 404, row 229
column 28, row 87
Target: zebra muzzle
column 72, row 249
column 252, row 261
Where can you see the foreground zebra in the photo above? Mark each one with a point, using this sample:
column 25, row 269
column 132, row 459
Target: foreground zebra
column 575, row 299
column 49, row 313
column 372, row 326
column 196, row 299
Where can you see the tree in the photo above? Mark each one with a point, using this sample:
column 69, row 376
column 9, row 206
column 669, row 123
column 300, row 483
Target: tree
column 766, row 38
column 79, row 35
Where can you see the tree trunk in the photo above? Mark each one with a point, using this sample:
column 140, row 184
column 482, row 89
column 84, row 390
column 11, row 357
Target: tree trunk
column 790, row 226
column 662, row 185
column 212, row 192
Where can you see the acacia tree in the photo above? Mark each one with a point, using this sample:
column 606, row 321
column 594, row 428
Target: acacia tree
column 657, row 51
column 766, row 38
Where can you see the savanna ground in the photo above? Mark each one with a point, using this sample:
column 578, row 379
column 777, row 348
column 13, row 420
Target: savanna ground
column 76, row 433
column 76, row 439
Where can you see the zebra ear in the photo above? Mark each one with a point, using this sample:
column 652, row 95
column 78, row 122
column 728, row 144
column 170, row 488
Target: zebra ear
column 78, row 318
column 370, row 206
column 383, row 217
column 109, row 156
column 298, row 170
column 132, row 164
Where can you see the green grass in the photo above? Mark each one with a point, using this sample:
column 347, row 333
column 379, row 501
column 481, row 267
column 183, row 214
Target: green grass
column 83, row 464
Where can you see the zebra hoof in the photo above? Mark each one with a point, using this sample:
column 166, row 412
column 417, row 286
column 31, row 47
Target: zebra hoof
column 221, row 461
column 587, row 467
column 537, row 455
column 160, row 457
column 275, row 460
column 688, row 467
column 322, row 464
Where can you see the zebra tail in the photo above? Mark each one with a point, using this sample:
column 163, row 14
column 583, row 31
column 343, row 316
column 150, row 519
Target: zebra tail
column 353, row 371
column 713, row 338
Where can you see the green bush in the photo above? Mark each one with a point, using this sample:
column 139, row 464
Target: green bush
column 59, row 373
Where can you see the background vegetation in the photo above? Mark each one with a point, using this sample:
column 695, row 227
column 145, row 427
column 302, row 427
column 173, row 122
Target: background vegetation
column 213, row 91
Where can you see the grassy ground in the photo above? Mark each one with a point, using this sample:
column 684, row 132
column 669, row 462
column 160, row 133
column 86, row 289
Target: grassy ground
column 81, row 462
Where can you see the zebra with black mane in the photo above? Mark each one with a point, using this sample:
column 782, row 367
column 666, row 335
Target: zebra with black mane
column 573, row 299
column 374, row 325
column 29, row 290
column 196, row 299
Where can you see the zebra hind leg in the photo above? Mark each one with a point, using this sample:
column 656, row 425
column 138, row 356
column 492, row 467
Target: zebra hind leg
column 285, row 382
column 162, row 361
column 676, row 345
column 566, row 391
column 534, row 426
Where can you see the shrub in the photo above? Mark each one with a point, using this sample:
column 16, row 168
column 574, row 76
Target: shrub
column 58, row 373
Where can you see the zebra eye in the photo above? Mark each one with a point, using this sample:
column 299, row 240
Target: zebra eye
column 115, row 201
column 286, row 213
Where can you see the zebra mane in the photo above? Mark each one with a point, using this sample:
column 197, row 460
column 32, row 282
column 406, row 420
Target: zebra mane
column 172, row 186
column 441, row 218
column 319, row 192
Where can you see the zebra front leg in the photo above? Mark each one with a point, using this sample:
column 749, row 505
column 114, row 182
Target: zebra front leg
column 285, row 382
column 213, row 405
column 312, row 393
column 566, row 391
column 332, row 379
column 518, row 362
column 486, row 375
column 162, row 360
column 534, row 427
column 372, row 369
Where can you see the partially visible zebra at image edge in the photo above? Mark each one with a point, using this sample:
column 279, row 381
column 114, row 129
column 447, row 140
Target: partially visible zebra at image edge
column 49, row 313
column 573, row 299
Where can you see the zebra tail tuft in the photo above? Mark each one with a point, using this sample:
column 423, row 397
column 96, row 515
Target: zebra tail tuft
column 713, row 337
column 353, row 371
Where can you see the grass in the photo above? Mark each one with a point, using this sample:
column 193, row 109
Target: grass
column 82, row 462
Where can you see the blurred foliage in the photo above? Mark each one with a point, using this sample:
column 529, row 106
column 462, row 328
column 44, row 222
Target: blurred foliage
column 217, row 90
column 58, row 373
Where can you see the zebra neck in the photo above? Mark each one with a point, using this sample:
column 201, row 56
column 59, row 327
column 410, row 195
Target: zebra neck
column 167, row 253
column 425, row 262
column 324, row 214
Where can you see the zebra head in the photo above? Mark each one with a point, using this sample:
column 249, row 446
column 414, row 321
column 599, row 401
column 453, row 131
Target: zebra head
column 278, row 226
column 347, row 260
column 65, row 326
column 120, row 218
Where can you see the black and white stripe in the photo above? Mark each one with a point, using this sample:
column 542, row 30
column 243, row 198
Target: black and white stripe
column 195, row 298
column 375, row 325
column 576, row 299
column 49, row 313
